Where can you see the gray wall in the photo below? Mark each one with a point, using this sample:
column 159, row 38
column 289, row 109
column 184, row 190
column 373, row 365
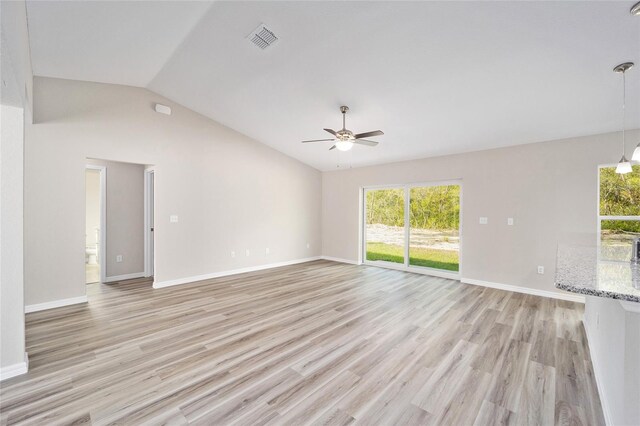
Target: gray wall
column 15, row 90
column 229, row 192
column 550, row 189
column 125, row 217
column 12, row 324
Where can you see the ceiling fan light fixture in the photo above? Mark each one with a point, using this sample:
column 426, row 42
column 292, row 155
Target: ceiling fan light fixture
column 344, row 145
column 624, row 166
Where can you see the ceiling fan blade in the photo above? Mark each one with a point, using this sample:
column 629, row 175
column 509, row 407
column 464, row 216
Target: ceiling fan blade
column 333, row 132
column 318, row 140
column 369, row 134
column 365, row 142
column 333, row 147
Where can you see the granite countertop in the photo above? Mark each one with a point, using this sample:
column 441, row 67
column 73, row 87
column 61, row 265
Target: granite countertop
column 581, row 269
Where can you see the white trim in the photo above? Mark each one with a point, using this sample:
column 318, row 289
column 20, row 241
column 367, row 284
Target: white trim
column 526, row 290
column 55, row 304
column 630, row 306
column 441, row 273
column 15, row 370
column 340, row 260
column 148, row 214
column 606, row 411
column 125, row 277
column 103, row 218
column 188, row 280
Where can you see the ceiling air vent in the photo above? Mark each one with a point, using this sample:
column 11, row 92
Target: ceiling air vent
column 262, row 37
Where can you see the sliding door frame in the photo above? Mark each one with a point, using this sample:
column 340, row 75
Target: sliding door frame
column 407, row 230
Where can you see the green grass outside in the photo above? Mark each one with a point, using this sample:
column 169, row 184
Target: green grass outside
column 430, row 258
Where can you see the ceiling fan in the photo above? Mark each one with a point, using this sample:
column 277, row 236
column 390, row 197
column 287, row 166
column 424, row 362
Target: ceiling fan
column 344, row 138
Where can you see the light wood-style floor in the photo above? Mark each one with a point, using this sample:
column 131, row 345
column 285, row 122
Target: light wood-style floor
column 316, row 343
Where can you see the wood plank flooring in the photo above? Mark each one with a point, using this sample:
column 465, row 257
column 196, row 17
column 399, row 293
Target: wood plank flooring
column 316, row 343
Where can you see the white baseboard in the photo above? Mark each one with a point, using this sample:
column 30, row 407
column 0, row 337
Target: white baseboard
column 525, row 290
column 55, row 304
column 187, row 280
column 606, row 412
column 337, row 259
column 124, row 277
column 15, row 370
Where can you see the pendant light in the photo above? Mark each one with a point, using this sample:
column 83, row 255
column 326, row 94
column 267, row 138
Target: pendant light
column 624, row 166
column 635, row 11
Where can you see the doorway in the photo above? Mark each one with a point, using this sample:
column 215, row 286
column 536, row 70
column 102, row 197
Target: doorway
column 95, row 216
column 149, row 181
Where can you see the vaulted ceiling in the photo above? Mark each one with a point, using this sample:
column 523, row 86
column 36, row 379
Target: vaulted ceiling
column 436, row 77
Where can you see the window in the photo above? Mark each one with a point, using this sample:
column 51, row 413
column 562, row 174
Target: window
column 618, row 212
column 414, row 226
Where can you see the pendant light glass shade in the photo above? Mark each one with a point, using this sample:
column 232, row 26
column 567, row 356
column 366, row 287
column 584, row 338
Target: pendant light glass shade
column 624, row 166
column 636, row 154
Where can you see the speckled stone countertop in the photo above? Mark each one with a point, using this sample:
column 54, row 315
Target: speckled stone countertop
column 581, row 270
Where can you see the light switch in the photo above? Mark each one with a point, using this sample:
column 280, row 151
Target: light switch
column 484, row 220
column 173, row 218
column 510, row 221
column 248, row 253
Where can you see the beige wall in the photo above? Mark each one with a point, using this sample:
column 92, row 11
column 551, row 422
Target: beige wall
column 125, row 217
column 229, row 192
column 550, row 189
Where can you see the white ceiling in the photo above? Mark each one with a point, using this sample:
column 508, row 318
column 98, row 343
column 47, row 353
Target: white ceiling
column 436, row 77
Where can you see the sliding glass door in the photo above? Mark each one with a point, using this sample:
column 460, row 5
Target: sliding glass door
column 413, row 226
column 434, row 213
column 384, row 222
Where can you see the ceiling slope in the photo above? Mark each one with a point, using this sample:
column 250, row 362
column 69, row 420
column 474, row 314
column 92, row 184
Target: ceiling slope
column 436, row 77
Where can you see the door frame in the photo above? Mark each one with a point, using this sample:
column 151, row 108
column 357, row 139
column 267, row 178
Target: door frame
column 102, row 256
column 406, row 187
column 149, row 217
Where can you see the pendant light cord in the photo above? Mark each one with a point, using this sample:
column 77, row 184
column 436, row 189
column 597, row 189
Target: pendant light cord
column 624, row 109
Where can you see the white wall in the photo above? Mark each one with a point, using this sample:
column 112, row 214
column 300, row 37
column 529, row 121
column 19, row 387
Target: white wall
column 550, row 189
column 125, row 217
column 15, row 110
column 229, row 192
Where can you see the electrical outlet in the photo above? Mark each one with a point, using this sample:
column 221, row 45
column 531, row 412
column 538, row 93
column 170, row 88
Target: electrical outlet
column 484, row 220
column 541, row 270
column 510, row 221
column 266, row 251
column 308, row 245
column 173, row 218
column 248, row 253
column 233, row 253
column 119, row 258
